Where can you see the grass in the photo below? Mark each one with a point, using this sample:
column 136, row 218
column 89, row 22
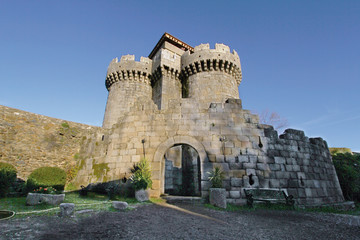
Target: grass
column 93, row 201
column 100, row 202
column 355, row 211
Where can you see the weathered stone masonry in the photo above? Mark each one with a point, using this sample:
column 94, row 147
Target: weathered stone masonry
column 189, row 96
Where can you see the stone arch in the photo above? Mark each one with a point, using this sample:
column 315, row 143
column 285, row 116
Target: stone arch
column 164, row 146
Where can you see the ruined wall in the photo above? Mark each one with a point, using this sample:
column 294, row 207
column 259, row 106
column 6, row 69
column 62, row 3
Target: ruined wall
column 252, row 154
column 29, row 141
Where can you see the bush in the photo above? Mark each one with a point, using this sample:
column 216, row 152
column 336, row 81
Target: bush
column 216, row 177
column 348, row 171
column 7, row 177
column 141, row 175
column 47, row 177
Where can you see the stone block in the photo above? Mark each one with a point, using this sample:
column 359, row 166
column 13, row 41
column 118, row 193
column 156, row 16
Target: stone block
column 142, row 195
column 39, row 198
column 235, row 166
column 226, row 184
column 279, row 160
column 253, row 159
column 235, row 194
column 249, row 165
column 274, row 167
column 292, row 175
column 264, row 183
column 262, row 166
column 230, row 159
column 212, row 157
column 316, row 183
column 218, row 197
column 243, row 158
column 293, row 183
column 274, row 183
column 119, row 205
column 220, row 158
column 282, row 175
column 236, row 182
column 308, row 192
column 205, row 185
column 301, row 192
column 238, row 173
column 289, row 168
column 296, row 168
column 290, row 161
column 67, row 209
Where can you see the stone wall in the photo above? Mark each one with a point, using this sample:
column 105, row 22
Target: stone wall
column 29, row 141
column 252, row 154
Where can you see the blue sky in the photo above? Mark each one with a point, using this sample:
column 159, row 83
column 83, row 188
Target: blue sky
column 300, row 59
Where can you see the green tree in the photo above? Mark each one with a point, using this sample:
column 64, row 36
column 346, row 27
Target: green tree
column 348, row 170
column 7, row 177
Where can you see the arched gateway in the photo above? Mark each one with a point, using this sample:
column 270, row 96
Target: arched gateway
column 178, row 140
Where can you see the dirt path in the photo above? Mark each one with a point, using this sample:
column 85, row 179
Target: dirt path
column 185, row 222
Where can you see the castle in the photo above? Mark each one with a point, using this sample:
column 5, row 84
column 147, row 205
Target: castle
column 180, row 109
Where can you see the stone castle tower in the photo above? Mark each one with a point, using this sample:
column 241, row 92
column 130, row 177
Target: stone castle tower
column 180, row 108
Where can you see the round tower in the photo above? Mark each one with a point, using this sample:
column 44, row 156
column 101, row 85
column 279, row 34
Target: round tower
column 211, row 75
column 127, row 82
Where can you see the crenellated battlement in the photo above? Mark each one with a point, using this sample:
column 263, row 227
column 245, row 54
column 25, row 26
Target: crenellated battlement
column 128, row 70
column 205, row 59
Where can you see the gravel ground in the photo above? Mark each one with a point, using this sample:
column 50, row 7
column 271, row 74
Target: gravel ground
column 184, row 222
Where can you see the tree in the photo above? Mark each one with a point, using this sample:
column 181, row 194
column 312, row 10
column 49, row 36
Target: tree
column 348, row 171
column 274, row 119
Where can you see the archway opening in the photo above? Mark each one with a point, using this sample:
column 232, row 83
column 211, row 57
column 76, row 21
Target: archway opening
column 182, row 171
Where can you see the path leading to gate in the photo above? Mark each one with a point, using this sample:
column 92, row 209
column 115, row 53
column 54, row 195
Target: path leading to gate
column 165, row 221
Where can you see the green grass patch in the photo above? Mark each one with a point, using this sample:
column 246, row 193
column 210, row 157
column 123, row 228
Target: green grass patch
column 355, row 211
column 93, row 201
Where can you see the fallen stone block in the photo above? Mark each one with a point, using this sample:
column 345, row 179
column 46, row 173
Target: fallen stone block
column 142, row 195
column 67, row 209
column 39, row 198
column 218, row 197
column 119, row 205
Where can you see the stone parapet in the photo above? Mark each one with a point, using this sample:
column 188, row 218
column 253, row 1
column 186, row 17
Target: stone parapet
column 128, row 70
column 205, row 59
column 164, row 70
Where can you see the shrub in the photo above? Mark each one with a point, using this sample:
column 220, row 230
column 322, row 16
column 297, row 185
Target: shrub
column 141, row 175
column 47, row 177
column 348, row 171
column 216, row 177
column 46, row 190
column 7, row 177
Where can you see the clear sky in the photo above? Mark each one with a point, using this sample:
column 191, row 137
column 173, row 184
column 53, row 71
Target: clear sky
column 300, row 59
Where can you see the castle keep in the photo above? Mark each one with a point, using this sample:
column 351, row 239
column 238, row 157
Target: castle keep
column 180, row 108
